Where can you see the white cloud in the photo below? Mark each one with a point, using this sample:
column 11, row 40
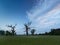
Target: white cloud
column 41, row 18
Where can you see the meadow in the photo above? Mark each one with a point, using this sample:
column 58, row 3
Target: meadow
column 29, row 40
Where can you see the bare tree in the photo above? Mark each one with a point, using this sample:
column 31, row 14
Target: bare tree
column 12, row 29
column 27, row 27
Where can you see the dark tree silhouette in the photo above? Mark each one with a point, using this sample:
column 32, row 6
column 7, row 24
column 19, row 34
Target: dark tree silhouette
column 52, row 32
column 2, row 32
column 33, row 31
column 8, row 33
column 27, row 27
column 55, row 31
column 12, row 29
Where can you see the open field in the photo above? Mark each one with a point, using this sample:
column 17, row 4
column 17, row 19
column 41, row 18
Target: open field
column 30, row 40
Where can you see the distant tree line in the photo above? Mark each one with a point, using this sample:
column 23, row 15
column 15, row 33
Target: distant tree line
column 12, row 32
column 52, row 32
column 7, row 33
column 2, row 32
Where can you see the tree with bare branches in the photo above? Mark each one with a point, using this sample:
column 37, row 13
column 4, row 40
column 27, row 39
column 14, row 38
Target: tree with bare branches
column 27, row 27
column 12, row 29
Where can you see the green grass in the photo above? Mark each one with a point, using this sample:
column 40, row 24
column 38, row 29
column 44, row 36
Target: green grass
column 30, row 40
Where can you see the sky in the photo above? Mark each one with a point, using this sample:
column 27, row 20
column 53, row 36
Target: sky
column 44, row 14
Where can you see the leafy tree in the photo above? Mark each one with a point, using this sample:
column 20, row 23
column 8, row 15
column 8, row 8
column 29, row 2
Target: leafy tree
column 8, row 33
column 2, row 32
column 55, row 31
column 32, row 31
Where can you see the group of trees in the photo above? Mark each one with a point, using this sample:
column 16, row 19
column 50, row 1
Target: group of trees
column 27, row 29
column 12, row 29
column 2, row 32
column 52, row 32
column 12, row 32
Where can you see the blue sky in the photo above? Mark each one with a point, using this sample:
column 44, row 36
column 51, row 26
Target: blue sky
column 14, row 12
column 44, row 14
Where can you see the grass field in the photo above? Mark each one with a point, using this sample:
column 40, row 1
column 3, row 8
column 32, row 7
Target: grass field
column 30, row 40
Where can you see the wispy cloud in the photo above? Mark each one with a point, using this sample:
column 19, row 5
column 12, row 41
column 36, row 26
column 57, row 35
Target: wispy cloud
column 45, row 14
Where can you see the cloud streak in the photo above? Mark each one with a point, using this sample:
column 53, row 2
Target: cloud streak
column 45, row 15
